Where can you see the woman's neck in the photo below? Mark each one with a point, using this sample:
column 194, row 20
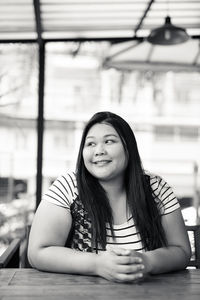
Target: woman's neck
column 114, row 189
column 116, row 194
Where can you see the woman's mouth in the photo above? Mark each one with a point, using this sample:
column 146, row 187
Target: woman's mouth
column 102, row 162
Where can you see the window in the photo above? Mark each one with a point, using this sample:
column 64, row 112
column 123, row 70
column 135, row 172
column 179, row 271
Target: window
column 18, row 109
column 189, row 133
column 164, row 132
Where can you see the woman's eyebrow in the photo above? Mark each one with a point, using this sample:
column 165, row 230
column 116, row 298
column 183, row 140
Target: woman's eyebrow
column 111, row 134
column 105, row 136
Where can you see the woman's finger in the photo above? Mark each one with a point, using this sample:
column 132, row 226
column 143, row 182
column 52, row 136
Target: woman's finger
column 118, row 250
column 121, row 277
column 128, row 260
column 130, row 269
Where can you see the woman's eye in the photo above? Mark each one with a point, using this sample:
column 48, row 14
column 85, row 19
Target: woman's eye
column 110, row 141
column 89, row 144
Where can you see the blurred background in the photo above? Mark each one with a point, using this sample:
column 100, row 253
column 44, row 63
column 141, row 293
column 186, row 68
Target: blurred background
column 62, row 61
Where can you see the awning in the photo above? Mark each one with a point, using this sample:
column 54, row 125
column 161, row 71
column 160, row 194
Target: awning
column 93, row 19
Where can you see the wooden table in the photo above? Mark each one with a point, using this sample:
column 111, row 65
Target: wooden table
column 21, row 284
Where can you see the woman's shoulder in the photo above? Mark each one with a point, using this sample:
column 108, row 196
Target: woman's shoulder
column 163, row 193
column 155, row 179
column 68, row 178
column 63, row 191
column 67, row 182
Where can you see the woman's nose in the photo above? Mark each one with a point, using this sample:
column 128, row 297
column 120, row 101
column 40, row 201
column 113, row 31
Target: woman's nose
column 100, row 149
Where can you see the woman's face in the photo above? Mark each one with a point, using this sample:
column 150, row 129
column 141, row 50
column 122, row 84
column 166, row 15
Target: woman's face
column 103, row 153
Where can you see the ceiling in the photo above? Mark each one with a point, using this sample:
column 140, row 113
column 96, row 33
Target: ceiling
column 63, row 19
column 126, row 23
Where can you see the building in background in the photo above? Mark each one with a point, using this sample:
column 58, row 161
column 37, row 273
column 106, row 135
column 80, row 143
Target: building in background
column 162, row 108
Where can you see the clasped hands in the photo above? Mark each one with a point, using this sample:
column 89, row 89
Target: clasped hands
column 122, row 265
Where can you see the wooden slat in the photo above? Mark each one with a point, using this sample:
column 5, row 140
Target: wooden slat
column 32, row 284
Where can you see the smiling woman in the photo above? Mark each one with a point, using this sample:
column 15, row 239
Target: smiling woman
column 109, row 218
column 103, row 153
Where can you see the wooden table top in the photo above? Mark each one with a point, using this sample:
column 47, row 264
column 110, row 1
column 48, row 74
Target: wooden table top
column 21, row 284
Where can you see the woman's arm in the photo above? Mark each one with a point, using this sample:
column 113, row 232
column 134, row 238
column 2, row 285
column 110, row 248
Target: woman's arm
column 49, row 232
column 171, row 258
column 178, row 252
column 46, row 251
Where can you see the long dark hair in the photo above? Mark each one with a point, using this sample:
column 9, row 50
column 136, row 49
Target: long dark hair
column 140, row 198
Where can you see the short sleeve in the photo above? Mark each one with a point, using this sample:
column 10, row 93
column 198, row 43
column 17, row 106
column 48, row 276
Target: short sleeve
column 164, row 195
column 63, row 191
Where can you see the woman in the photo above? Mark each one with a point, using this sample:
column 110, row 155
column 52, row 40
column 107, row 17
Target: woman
column 110, row 218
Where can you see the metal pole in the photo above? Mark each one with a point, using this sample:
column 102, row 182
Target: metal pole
column 40, row 121
column 196, row 200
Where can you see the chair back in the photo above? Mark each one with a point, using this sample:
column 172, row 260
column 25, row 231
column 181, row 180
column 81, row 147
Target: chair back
column 194, row 236
column 24, row 258
column 11, row 257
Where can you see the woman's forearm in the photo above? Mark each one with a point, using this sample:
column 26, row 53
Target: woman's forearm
column 64, row 260
column 167, row 259
column 106, row 264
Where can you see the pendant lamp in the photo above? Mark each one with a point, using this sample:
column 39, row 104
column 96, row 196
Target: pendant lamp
column 168, row 34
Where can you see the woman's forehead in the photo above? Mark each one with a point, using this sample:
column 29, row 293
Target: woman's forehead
column 101, row 129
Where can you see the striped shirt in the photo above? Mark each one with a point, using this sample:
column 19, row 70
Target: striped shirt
column 63, row 192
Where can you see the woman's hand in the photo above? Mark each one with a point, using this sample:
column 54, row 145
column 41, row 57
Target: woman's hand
column 120, row 265
column 145, row 261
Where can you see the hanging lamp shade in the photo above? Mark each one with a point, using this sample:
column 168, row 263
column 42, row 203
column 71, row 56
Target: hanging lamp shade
column 168, row 34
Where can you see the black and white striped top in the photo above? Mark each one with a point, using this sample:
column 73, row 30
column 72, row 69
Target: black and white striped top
column 64, row 191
